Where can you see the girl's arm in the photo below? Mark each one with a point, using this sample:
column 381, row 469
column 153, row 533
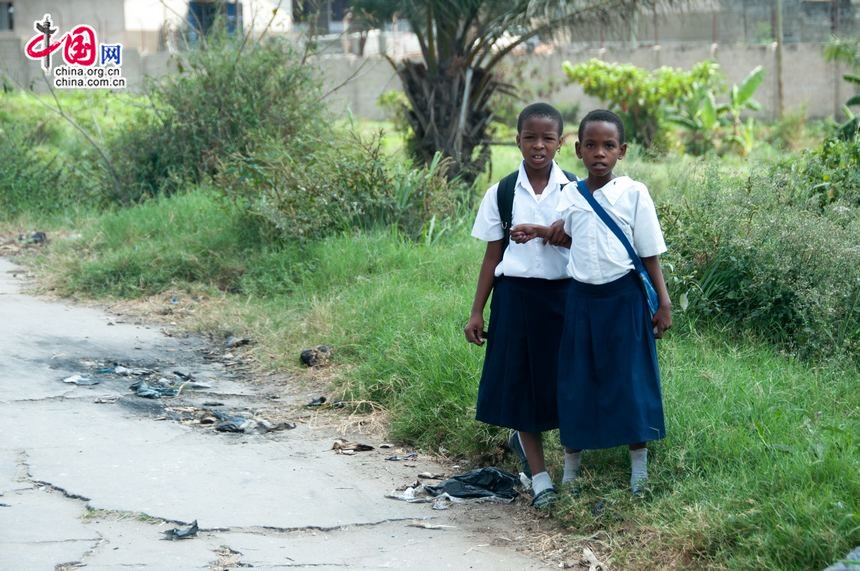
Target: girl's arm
column 474, row 329
column 555, row 235
column 663, row 318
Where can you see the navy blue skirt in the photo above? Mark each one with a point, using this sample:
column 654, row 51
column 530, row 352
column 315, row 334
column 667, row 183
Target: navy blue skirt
column 609, row 380
column 518, row 383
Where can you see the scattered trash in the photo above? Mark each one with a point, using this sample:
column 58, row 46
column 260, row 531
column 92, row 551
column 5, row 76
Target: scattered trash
column 426, row 525
column 82, row 380
column 33, row 238
column 316, row 357
column 591, row 560
column 477, row 486
column 106, row 400
column 232, row 341
column 410, row 456
column 430, row 476
column 319, row 401
column 342, row 446
column 5, row 506
column 182, row 376
column 154, row 389
column 137, row 371
column 106, row 370
column 213, row 403
column 386, row 446
column 598, row 508
column 480, row 483
column 186, row 532
column 248, row 425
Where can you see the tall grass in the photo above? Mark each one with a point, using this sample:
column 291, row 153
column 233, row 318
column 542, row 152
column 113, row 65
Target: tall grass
column 760, row 469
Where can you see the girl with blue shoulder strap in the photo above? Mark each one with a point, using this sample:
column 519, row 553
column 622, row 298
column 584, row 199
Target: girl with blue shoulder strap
column 609, row 390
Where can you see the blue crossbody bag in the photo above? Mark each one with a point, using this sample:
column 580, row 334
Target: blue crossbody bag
column 650, row 293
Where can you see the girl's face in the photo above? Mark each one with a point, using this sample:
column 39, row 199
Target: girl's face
column 600, row 148
column 538, row 141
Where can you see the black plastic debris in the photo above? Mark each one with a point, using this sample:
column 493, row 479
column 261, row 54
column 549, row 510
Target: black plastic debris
column 186, row 532
column 316, row 357
column 246, row 425
column 81, row 380
column 319, row 401
column 35, row 238
column 480, row 483
column 153, row 389
column 234, row 424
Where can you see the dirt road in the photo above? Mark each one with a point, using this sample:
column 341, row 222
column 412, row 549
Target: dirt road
column 92, row 475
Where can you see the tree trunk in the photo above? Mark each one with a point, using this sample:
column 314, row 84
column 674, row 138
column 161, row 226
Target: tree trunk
column 449, row 114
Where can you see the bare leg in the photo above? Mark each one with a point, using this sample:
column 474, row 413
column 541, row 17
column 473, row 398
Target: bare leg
column 533, row 447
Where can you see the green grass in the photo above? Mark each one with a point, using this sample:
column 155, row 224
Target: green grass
column 760, row 469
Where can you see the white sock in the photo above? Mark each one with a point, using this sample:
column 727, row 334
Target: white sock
column 541, row 482
column 638, row 469
column 572, row 464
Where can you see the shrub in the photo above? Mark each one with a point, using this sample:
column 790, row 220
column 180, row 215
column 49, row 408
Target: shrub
column 226, row 95
column 750, row 255
column 640, row 96
column 310, row 188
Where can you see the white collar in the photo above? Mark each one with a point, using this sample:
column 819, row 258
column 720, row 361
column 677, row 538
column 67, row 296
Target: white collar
column 557, row 178
column 613, row 189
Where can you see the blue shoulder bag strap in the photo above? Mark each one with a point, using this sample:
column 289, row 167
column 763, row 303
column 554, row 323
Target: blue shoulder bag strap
column 650, row 293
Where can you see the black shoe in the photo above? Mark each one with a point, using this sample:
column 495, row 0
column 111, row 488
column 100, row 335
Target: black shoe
column 516, row 447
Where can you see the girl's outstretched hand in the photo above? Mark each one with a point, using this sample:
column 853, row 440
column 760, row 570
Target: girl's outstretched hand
column 662, row 320
column 474, row 329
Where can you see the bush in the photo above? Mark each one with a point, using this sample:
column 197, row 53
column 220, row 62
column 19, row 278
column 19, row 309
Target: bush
column 226, row 96
column 750, row 255
column 310, row 189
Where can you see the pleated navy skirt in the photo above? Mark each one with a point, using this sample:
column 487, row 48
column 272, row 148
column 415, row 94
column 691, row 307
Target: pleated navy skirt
column 609, row 380
column 519, row 379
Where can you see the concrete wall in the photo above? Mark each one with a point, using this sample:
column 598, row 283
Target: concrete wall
column 809, row 81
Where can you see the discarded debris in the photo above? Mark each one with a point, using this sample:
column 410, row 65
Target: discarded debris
column 186, row 532
column 426, row 525
column 319, row 401
column 127, row 371
column 82, row 380
column 342, row 446
column 106, row 400
column 591, row 560
column 409, row 456
column 232, row 341
column 247, row 425
column 430, row 476
column 153, row 389
column 316, row 357
column 33, row 238
column 480, row 483
column 213, row 403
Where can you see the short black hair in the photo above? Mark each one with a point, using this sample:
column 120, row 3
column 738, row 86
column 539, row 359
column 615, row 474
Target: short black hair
column 602, row 115
column 540, row 110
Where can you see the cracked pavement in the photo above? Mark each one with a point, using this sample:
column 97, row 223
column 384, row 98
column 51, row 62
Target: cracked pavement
column 91, row 476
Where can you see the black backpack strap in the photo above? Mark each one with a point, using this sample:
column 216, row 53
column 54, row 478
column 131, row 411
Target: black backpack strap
column 505, row 197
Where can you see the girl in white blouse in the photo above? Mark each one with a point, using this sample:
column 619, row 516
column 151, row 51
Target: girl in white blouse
column 609, row 381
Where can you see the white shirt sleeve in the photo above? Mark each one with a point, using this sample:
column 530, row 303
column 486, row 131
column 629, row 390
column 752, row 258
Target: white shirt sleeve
column 647, row 235
column 488, row 222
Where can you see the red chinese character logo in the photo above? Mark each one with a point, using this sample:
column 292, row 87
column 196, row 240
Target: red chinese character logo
column 80, row 46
